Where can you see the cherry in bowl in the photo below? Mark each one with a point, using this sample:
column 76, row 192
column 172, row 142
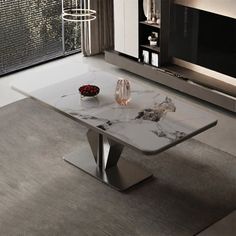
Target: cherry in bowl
column 89, row 90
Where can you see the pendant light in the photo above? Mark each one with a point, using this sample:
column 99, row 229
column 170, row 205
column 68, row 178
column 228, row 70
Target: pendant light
column 72, row 11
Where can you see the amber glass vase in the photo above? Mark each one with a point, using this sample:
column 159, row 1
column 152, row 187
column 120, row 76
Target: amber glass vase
column 123, row 93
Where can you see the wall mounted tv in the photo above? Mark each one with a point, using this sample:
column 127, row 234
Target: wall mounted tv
column 203, row 38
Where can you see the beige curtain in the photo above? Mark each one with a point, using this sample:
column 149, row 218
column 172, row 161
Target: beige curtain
column 98, row 35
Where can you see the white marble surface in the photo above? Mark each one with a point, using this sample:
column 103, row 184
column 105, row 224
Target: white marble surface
column 132, row 124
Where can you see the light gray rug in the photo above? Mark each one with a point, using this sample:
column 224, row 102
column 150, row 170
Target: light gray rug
column 40, row 194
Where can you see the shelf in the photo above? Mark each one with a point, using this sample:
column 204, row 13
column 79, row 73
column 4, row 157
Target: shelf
column 153, row 48
column 151, row 25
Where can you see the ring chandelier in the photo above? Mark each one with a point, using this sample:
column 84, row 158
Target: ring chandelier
column 78, row 15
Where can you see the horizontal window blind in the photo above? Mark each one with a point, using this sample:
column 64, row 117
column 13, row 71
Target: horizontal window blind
column 32, row 32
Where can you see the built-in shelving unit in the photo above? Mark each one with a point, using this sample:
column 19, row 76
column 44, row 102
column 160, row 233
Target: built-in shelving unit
column 156, row 55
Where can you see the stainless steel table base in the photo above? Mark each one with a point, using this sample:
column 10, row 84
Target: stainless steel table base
column 102, row 161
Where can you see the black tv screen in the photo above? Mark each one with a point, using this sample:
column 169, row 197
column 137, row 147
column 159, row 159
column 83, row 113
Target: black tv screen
column 203, row 38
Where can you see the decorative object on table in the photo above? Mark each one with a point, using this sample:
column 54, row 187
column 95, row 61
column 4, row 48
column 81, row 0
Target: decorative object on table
column 89, row 90
column 123, row 93
column 145, row 56
column 154, row 60
column 75, row 13
column 153, row 38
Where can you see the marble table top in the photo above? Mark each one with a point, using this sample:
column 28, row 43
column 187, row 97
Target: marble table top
column 150, row 123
